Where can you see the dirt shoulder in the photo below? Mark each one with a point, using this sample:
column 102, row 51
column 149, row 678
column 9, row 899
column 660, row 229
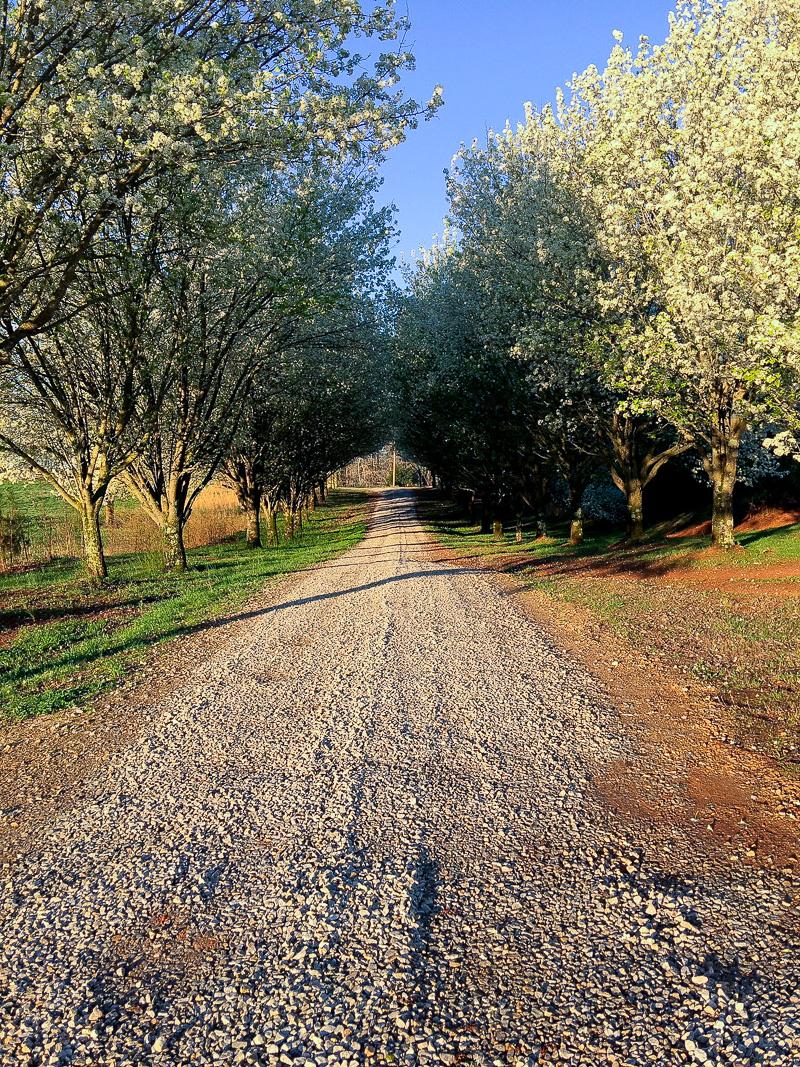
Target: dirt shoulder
column 693, row 767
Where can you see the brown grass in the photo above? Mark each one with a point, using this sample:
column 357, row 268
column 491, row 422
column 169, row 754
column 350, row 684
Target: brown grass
column 216, row 517
column 51, row 530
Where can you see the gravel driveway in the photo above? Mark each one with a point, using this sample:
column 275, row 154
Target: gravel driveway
column 367, row 834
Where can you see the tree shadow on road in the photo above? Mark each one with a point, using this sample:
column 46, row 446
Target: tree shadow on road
column 258, row 613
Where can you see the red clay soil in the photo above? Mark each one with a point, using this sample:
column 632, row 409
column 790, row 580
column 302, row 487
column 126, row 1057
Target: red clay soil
column 762, row 519
column 778, row 579
column 733, row 802
column 769, row 519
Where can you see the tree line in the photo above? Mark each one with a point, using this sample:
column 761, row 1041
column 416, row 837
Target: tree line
column 619, row 281
column 193, row 268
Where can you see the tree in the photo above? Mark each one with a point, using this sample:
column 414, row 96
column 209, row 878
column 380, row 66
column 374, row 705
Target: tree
column 639, row 447
column 310, row 411
column 289, row 251
column 693, row 147
column 100, row 100
column 462, row 398
column 528, row 237
column 76, row 407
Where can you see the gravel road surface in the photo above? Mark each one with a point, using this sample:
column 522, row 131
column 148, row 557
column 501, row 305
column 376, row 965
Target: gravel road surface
column 367, row 834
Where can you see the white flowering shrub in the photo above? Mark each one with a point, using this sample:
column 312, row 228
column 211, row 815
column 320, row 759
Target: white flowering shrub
column 603, row 502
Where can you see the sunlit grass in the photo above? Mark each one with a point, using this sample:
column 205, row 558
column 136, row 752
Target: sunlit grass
column 755, row 548
column 72, row 641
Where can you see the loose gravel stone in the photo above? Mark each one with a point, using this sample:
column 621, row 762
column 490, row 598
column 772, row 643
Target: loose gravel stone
column 367, row 835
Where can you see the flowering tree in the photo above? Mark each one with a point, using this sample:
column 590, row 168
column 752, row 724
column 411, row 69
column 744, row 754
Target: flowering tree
column 289, row 249
column 638, row 245
column 542, row 229
column 460, row 397
column 310, row 413
column 75, row 410
column 98, row 100
column 693, row 148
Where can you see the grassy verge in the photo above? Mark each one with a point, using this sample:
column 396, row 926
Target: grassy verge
column 735, row 638
column 64, row 642
column 757, row 548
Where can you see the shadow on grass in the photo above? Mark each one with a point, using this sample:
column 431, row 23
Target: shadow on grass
column 71, row 644
column 604, row 555
column 10, row 620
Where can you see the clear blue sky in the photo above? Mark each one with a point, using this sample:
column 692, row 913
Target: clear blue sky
column 491, row 56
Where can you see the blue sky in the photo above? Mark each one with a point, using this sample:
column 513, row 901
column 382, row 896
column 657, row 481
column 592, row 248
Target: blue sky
column 491, row 56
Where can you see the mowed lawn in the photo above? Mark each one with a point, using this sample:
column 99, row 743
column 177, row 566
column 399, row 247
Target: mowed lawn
column 63, row 642
column 727, row 622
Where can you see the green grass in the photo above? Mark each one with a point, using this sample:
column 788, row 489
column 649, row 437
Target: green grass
column 746, row 646
column 756, row 548
column 68, row 642
column 30, row 499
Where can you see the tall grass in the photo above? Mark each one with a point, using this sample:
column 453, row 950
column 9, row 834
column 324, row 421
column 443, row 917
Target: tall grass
column 37, row 526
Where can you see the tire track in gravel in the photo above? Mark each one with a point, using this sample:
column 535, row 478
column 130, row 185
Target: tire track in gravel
column 366, row 834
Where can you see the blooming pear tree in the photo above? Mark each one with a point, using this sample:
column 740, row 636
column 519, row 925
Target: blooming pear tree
column 290, row 249
column 693, row 147
column 99, row 100
column 637, row 248
column 309, row 410
column 75, row 411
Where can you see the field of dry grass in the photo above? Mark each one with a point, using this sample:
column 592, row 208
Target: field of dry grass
column 48, row 529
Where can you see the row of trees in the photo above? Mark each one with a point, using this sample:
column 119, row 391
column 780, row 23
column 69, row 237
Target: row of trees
column 621, row 279
column 192, row 266
column 231, row 344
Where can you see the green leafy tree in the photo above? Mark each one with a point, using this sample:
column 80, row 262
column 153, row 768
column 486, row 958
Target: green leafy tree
column 99, row 100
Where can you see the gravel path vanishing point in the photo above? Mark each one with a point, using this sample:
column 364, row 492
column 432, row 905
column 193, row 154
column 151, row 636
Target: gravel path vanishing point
column 367, row 835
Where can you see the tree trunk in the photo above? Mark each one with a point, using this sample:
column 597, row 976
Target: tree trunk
column 487, row 513
column 111, row 519
column 723, row 468
column 497, row 530
column 174, row 547
column 633, row 494
column 272, row 521
column 253, row 511
column 95, row 559
column 576, row 526
column 518, row 530
column 576, row 491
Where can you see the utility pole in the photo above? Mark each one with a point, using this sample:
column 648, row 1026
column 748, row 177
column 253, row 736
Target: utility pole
column 394, row 468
